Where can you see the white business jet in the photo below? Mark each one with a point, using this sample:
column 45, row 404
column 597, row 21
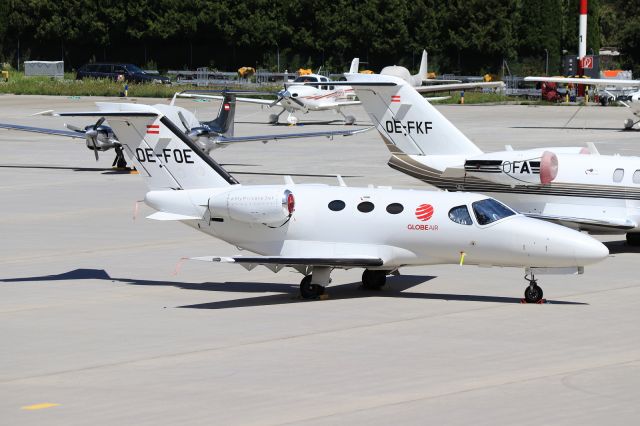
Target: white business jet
column 208, row 135
column 631, row 99
column 318, row 228
column 597, row 193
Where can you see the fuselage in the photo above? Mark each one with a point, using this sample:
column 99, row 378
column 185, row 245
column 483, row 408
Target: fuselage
column 401, row 227
column 316, row 98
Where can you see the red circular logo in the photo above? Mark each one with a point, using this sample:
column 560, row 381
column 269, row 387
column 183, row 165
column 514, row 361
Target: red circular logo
column 424, row 212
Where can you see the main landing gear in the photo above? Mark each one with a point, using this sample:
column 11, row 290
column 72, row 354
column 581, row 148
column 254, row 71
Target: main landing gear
column 633, row 239
column 313, row 285
column 533, row 293
column 308, row 290
column 373, row 280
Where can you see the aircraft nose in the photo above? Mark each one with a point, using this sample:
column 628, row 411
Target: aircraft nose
column 559, row 246
column 589, row 250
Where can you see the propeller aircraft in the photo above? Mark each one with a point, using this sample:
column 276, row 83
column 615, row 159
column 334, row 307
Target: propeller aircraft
column 208, row 135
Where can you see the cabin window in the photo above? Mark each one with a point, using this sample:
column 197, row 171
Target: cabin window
column 490, row 210
column 636, row 176
column 366, row 206
column 395, row 208
column 618, row 174
column 336, row 205
column 460, row 214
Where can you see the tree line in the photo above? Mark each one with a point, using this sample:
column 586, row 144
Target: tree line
column 461, row 36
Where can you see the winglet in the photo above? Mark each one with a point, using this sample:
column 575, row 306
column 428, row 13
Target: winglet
column 48, row 112
column 288, row 180
column 355, row 64
column 341, row 181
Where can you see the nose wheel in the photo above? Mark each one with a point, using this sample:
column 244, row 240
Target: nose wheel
column 533, row 293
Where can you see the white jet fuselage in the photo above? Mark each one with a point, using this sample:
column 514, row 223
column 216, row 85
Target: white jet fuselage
column 422, row 233
column 603, row 188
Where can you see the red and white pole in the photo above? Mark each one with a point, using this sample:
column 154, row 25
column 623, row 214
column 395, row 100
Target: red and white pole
column 582, row 43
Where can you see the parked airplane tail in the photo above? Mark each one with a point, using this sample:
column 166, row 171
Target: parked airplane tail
column 223, row 123
column 160, row 150
column 355, row 64
column 406, row 121
column 424, row 70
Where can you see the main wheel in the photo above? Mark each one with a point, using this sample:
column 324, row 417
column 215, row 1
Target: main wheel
column 633, row 239
column 308, row 290
column 374, row 280
column 273, row 118
column 349, row 120
column 533, row 294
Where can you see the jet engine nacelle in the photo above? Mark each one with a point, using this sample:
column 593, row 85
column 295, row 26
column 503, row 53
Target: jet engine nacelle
column 513, row 168
column 403, row 73
column 254, row 205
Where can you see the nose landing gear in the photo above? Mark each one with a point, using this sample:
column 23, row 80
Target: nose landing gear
column 533, row 293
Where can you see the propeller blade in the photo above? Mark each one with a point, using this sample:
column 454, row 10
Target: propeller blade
column 99, row 123
column 274, row 103
column 73, row 128
column 298, row 101
column 95, row 147
column 184, row 122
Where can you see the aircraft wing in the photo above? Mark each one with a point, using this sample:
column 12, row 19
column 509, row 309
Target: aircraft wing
column 266, row 138
column 586, row 81
column 250, row 262
column 620, row 224
column 458, row 86
column 56, row 132
column 220, row 98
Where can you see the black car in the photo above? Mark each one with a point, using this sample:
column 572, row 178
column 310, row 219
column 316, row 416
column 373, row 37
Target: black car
column 129, row 72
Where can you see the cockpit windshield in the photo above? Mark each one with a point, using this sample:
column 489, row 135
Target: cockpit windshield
column 305, row 79
column 490, row 210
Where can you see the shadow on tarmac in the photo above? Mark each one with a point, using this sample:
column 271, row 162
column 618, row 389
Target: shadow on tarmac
column 569, row 128
column 618, row 247
column 288, row 293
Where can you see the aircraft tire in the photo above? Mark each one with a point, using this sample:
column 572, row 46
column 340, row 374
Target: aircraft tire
column 533, row 294
column 308, row 290
column 273, row 118
column 349, row 120
column 633, row 239
column 373, row 280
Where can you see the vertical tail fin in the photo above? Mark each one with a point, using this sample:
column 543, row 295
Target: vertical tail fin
column 224, row 122
column 163, row 155
column 424, row 70
column 406, row 121
column 355, row 64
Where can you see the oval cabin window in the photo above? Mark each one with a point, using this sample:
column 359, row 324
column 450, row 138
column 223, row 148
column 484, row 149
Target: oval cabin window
column 336, row 205
column 636, row 177
column 618, row 174
column 395, row 208
column 366, row 207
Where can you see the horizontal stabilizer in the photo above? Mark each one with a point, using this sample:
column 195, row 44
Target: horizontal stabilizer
column 459, row 86
column 265, row 138
column 171, row 216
